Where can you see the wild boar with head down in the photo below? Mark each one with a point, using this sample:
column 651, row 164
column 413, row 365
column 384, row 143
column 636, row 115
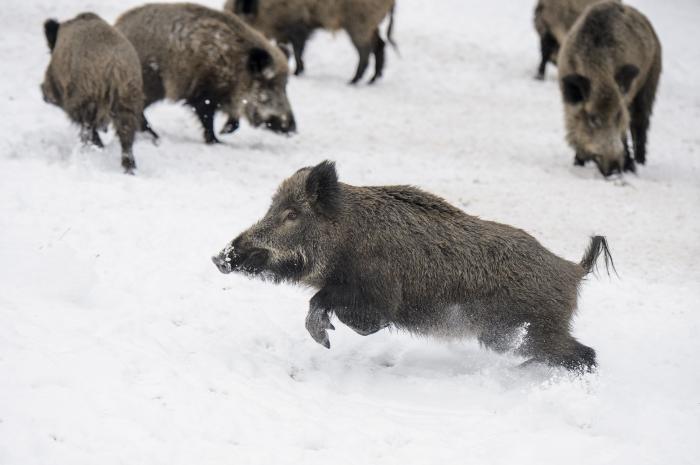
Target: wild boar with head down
column 212, row 61
column 553, row 19
column 95, row 77
column 609, row 70
column 293, row 22
column 397, row 256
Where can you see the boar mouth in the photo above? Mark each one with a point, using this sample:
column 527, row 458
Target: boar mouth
column 281, row 125
column 249, row 262
column 276, row 124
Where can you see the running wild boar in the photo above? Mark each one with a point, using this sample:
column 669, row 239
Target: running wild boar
column 609, row 68
column 553, row 19
column 396, row 256
column 212, row 61
column 95, row 77
column 293, row 22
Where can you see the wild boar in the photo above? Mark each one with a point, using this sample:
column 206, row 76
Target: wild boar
column 397, row 256
column 609, row 68
column 95, row 77
column 293, row 22
column 553, row 19
column 212, row 61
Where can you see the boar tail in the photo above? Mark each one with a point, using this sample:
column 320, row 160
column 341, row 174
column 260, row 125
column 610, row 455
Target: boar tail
column 390, row 29
column 598, row 246
column 51, row 31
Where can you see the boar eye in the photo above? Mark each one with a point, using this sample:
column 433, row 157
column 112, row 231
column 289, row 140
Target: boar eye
column 291, row 215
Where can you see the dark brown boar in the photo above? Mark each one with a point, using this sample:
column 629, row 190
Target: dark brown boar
column 95, row 77
column 397, row 256
column 609, row 69
column 212, row 61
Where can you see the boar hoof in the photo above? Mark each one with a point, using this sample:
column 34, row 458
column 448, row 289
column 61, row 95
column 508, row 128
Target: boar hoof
column 211, row 139
column 129, row 165
column 230, row 126
column 317, row 324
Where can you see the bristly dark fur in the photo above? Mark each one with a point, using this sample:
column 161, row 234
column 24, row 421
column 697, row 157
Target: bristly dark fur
column 322, row 186
column 51, row 27
column 597, row 246
column 599, row 26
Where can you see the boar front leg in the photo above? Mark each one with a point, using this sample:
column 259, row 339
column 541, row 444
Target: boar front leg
column 318, row 320
column 351, row 307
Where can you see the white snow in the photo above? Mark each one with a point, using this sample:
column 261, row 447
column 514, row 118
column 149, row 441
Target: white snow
column 120, row 342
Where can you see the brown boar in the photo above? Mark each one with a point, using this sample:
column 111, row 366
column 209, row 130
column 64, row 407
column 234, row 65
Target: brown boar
column 397, row 256
column 212, row 61
column 609, row 69
column 293, row 22
column 95, row 77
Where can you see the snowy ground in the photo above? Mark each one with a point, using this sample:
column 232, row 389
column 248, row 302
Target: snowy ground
column 120, row 343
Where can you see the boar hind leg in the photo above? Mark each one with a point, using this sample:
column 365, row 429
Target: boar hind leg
column 548, row 47
column 126, row 123
column 559, row 349
column 205, row 105
column 378, row 51
column 364, row 48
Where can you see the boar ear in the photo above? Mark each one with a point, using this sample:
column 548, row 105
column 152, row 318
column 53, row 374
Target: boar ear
column 322, row 187
column 260, row 63
column 575, row 88
column 624, row 77
column 51, row 31
column 246, row 7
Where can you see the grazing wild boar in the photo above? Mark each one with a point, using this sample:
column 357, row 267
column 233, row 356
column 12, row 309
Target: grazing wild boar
column 293, row 22
column 212, row 61
column 397, row 256
column 609, row 68
column 95, row 77
column 553, row 19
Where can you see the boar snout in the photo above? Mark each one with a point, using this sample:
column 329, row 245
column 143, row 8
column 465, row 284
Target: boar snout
column 222, row 263
column 284, row 124
column 608, row 167
column 237, row 257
